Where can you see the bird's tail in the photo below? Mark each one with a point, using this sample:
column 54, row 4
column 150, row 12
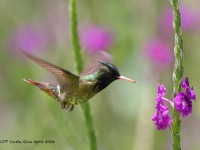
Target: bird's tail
column 48, row 88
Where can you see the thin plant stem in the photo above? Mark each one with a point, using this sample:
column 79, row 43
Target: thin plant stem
column 79, row 65
column 178, row 72
column 75, row 36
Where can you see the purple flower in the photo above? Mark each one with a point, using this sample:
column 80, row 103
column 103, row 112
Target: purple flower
column 183, row 104
column 161, row 90
column 159, row 52
column 183, row 100
column 95, row 39
column 29, row 38
column 161, row 118
column 189, row 19
column 189, row 90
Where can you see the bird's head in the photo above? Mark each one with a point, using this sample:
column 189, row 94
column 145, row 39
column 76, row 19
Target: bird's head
column 107, row 73
column 113, row 72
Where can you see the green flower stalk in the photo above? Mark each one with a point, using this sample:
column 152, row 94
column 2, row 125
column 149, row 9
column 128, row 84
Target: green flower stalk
column 79, row 65
column 75, row 36
column 178, row 72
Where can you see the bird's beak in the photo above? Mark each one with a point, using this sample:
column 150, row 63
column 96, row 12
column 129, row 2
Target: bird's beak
column 125, row 78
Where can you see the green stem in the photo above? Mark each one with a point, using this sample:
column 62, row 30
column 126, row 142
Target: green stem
column 89, row 123
column 75, row 36
column 178, row 72
column 79, row 65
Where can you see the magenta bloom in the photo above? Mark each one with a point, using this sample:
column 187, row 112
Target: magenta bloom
column 29, row 38
column 159, row 52
column 161, row 118
column 183, row 100
column 161, row 90
column 189, row 90
column 182, row 103
column 95, row 39
column 189, row 19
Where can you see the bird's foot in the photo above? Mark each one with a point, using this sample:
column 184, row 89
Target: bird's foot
column 65, row 106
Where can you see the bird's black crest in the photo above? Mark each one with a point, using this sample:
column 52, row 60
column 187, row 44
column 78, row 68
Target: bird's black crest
column 111, row 67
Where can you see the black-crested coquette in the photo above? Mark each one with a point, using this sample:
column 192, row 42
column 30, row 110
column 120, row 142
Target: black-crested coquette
column 72, row 89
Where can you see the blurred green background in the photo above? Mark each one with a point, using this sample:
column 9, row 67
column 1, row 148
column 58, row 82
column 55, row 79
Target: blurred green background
column 122, row 112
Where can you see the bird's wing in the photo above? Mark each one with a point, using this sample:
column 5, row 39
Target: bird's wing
column 63, row 76
column 94, row 64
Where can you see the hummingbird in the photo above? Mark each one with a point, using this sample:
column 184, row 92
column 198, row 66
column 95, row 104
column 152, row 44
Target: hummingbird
column 72, row 89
